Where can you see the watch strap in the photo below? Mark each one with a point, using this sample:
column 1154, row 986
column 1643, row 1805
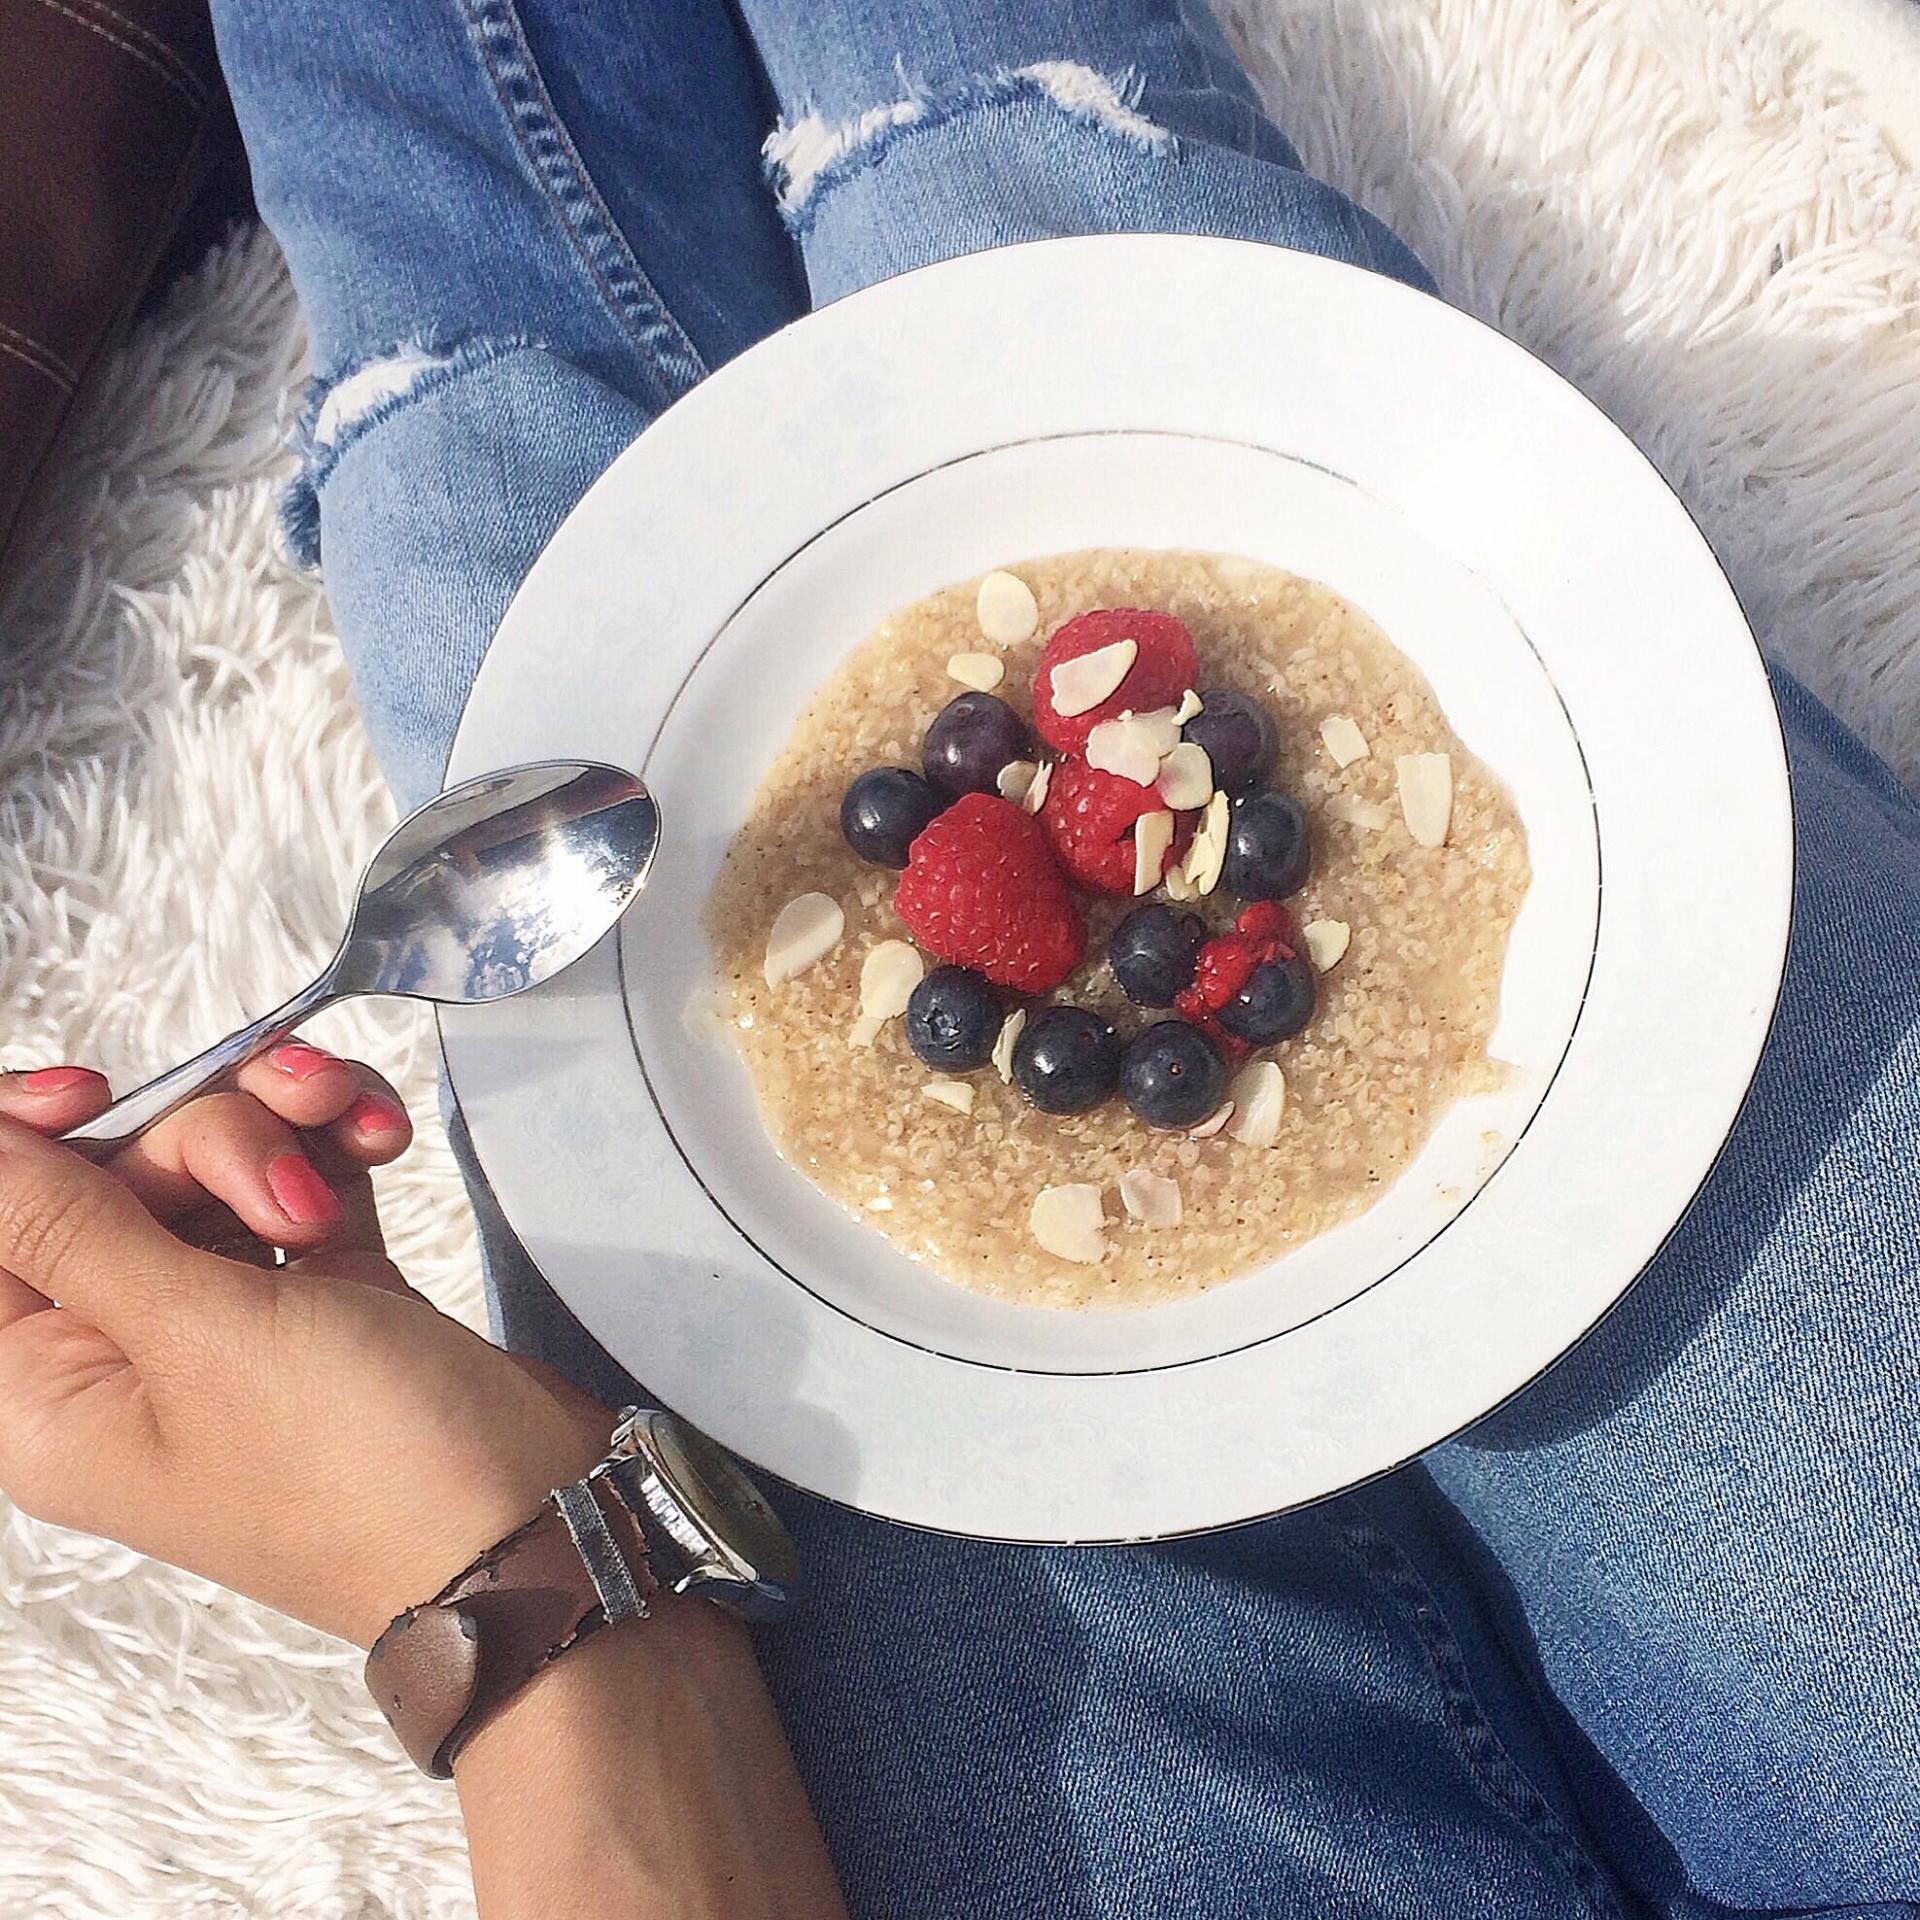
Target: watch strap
column 440, row 1670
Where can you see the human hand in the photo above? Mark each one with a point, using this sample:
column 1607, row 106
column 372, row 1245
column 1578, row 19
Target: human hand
column 316, row 1435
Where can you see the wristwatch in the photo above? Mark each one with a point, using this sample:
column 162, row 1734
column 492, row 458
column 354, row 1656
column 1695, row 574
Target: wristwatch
column 665, row 1509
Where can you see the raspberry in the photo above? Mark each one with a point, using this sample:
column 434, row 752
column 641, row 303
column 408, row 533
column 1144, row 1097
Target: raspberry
column 1165, row 667
column 1263, row 932
column 1091, row 814
column 982, row 890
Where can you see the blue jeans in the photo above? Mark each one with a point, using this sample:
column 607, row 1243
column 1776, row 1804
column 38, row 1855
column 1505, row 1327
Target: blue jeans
column 1647, row 1639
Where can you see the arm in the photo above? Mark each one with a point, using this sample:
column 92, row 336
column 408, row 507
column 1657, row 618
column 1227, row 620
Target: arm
column 318, row 1436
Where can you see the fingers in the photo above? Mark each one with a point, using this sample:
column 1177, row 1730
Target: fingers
column 74, row 1234
column 52, row 1099
column 310, row 1088
column 227, row 1147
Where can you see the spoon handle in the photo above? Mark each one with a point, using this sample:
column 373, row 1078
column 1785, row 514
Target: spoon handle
column 146, row 1106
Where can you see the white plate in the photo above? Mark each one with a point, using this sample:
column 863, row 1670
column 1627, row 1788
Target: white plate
column 1150, row 391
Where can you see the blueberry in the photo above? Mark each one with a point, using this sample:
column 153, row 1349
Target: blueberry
column 1238, row 737
column 1268, row 847
column 953, row 1020
column 883, row 811
column 1066, row 1059
column 1173, row 1076
column 1153, row 951
column 1274, row 1004
column 970, row 740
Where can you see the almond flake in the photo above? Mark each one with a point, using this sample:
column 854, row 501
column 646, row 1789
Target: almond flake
column 1015, row 780
column 1208, row 854
column 1134, row 745
column 1259, row 1098
column 950, row 1093
column 1003, row 1045
column 1344, row 740
column 1188, row 707
column 1037, row 793
column 1426, row 795
column 1186, row 778
column 1326, row 942
column 1006, row 609
column 1080, row 685
column 888, row 977
column 865, row 1031
column 980, row 671
column 1070, row 1222
column 1178, row 886
column 1212, row 1123
column 806, row 929
column 1150, row 1198
column 1359, row 813
column 1152, row 836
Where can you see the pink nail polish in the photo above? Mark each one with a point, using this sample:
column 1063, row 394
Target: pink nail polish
column 299, row 1192
column 374, row 1113
column 302, row 1061
column 56, row 1079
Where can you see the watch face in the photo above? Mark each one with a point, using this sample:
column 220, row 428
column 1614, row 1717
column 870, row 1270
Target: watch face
column 726, row 1510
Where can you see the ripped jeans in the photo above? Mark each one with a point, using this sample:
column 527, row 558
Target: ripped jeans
column 1645, row 1641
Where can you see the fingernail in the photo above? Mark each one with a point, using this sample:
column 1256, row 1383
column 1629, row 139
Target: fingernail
column 299, row 1192
column 302, row 1061
column 57, row 1079
column 375, row 1113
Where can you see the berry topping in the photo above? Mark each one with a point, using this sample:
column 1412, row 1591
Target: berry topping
column 1164, row 667
column 982, row 890
column 1273, row 1003
column 972, row 737
column 882, row 812
column 1263, row 933
column 1153, row 953
column 953, row 1020
column 1091, row 816
column 1066, row 1060
column 1238, row 737
column 1268, row 848
column 1172, row 1075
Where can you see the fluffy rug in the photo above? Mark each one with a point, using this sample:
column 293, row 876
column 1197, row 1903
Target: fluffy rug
column 1674, row 204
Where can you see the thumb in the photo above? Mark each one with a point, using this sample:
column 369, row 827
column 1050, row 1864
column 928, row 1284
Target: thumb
column 75, row 1234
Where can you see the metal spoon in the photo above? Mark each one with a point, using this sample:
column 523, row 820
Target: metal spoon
column 489, row 889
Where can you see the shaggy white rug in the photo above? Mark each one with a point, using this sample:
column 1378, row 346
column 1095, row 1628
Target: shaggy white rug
column 1676, row 206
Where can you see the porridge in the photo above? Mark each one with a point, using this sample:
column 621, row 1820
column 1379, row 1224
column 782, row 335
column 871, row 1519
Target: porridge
column 1111, row 924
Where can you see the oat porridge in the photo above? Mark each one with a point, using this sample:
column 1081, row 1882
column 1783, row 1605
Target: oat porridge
column 1113, row 923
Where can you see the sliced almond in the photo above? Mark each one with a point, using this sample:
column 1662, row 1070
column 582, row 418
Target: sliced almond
column 1080, row 685
column 1186, row 778
column 1015, row 780
column 1343, row 740
column 1070, row 1222
column 1426, row 795
column 888, row 977
column 980, row 671
column 1212, row 1123
column 1326, row 942
column 1134, row 745
column 1358, row 812
column 1188, row 707
column 950, row 1093
column 1152, row 836
column 1006, row 609
column 1178, row 886
column 1151, row 1198
column 1208, row 854
column 865, row 1031
column 1037, row 793
column 1003, row 1044
column 806, row 929
column 1259, row 1093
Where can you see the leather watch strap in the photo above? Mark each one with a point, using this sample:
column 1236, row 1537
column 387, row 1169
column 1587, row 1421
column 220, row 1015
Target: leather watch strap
column 441, row 1669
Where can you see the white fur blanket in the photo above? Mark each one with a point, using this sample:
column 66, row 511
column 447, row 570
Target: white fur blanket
column 1672, row 201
